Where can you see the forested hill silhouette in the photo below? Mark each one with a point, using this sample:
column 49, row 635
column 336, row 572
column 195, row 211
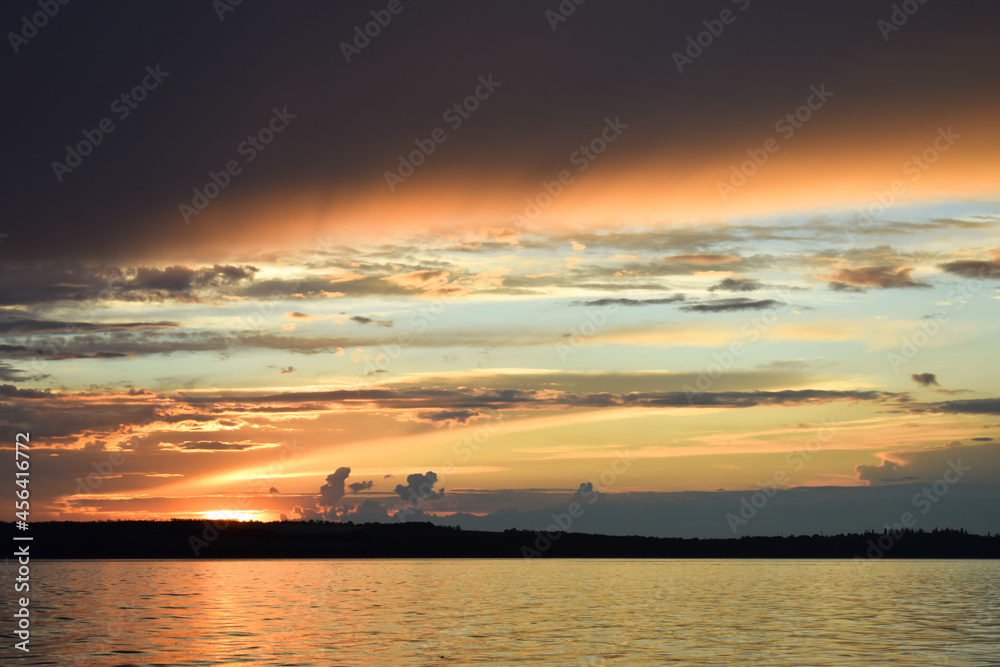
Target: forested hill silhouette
column 218, row 539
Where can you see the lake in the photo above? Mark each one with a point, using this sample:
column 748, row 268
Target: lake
column 509, row 612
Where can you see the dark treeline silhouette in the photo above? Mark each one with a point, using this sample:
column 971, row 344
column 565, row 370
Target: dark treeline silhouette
column 219, row 539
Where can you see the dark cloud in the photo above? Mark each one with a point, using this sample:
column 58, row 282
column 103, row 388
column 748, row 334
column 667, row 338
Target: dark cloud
column 357, row 487
column 419, row 489
column 883, row 277
column 28, row 326
column 975, row 406
column 609, row 301
column 844, row 287
column 10, row 391
column 10, row 374
column 304, row 513
column 799, row 510
column 626, row 51
column 442, row 417
column 178, row 280
column 39, row 284
column 66, row 417
column 216, row 446
column 924, row 379
column 70, row 416
column 370, row 511
column 973, row 269
column 361, row 319
column 444, row 399
column 733, row 304
column 737, row 285
column 333, row 491
column 273, row 490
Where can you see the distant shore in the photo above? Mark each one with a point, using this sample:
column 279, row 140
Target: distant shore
column 220, row 539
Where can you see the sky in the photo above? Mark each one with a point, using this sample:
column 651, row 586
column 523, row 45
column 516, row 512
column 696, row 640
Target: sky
column 661, row 268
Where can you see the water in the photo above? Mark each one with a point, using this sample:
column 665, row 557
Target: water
column 510, row 612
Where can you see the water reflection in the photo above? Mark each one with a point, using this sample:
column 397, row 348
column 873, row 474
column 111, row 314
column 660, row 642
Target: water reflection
column 516, row 612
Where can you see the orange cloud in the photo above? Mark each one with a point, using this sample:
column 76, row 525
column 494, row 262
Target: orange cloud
column 875, row 276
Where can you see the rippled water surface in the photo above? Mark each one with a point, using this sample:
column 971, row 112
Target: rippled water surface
column 510, row 612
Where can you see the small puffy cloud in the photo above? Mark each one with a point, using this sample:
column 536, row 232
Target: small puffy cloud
column 331, row 493
column 419, row 489
column 273, row 490
column 357, row 487
column 925, row 379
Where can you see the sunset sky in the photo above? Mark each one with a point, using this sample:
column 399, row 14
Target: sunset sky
column 548, row 258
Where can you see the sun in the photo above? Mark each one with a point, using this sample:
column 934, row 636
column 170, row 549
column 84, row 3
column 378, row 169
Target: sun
column 230, row 515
